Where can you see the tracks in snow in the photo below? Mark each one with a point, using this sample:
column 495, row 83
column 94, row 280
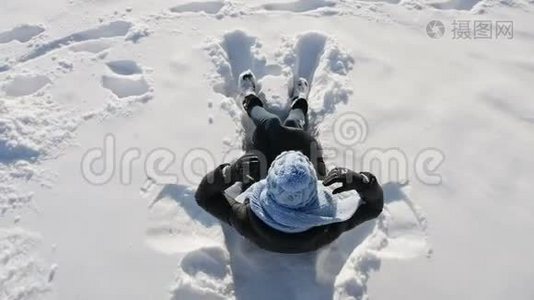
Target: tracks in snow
column 22, row 85
column 312, row 55
column 22, row 33
column 113, row 29
column 207, row 266
column 299, row 6
column 230, row 267
column 34, row 126
column 26, row 32
column 208, row 7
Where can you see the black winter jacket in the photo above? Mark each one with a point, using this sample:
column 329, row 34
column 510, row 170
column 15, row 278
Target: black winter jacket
column 211, row 197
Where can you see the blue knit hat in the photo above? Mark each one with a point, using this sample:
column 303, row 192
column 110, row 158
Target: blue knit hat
column 291, row 199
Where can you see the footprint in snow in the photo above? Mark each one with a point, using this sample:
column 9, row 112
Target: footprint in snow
column 96, row 46
column 299, row 6
column 455, row 5
column 97, row 34
column 22, row 33
column 204, row 274
column 124, row 67
column 23, row 85
column 110, row 30
column 126, row 79
column 208, row 7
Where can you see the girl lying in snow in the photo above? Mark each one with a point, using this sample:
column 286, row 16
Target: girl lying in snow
column 289, row 210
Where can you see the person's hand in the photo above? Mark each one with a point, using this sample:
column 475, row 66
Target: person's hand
column 245, row 169
column 349, row 179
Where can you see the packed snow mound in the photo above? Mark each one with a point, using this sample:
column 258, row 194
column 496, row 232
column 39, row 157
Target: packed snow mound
column 23, row 275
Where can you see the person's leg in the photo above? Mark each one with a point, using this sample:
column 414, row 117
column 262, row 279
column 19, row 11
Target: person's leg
column 259, row 115
column 268, row 125
column 297, row 117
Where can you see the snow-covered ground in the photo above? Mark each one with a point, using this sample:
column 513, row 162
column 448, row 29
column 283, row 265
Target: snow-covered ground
column 150, row 86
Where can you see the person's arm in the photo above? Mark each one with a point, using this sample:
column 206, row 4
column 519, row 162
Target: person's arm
column 316, row 157
column 210, row 193
column 371, row 205
column 321, row 168
column 367, row 186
